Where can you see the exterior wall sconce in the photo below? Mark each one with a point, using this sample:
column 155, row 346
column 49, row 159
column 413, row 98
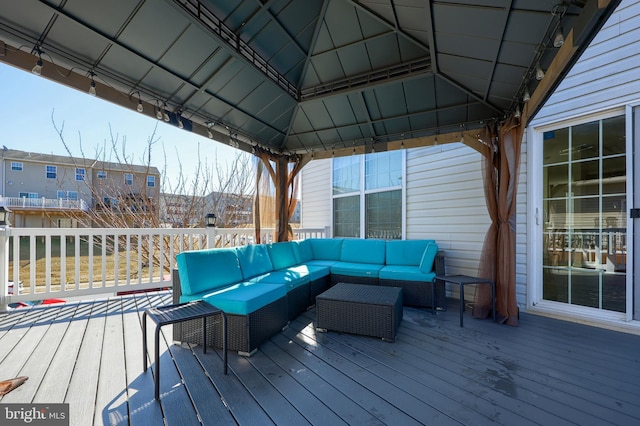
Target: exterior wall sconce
column 210, row 220
column 4, row 216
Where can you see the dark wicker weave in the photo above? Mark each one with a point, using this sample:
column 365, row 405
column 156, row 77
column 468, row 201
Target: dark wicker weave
column 298, row 300
column 336, row 278
column 360, row 309
column 245, row 332
column 317, row 287
column 418, row 293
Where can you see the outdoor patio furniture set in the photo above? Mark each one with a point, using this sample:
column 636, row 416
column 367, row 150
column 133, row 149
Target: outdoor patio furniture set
column 261, row 287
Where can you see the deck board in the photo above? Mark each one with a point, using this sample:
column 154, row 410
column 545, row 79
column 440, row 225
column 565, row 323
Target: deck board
column 546, row 371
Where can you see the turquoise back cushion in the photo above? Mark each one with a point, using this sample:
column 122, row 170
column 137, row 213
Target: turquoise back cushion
column 282, row 255
column 363, row 251
column 304, row 250
column 254, row 260
column 203, row 270
column 326, row 248
column 429, row 256
column 406, row 252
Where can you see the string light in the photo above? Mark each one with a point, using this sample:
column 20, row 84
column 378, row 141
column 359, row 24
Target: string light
column 539, row 72
column 527, row 96
column 140, row 107
column 165, row 114
column 37, row 68
column 92, row 86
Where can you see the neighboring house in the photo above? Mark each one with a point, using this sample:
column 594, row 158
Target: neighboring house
column 182, row 211
column 574, row 228
column 45, row 190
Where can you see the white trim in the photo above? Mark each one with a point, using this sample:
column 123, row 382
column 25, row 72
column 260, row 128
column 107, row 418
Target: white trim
column 535, row 211
column 630, row 191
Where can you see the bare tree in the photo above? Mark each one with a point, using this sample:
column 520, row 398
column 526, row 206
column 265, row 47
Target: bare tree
column 125, row 194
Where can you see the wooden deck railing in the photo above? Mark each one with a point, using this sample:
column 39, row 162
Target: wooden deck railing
column 45, row 263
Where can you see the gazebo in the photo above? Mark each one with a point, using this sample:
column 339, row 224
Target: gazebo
column 293, row 80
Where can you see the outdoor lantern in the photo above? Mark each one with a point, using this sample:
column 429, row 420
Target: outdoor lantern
column 4, row 212
column 210, row 220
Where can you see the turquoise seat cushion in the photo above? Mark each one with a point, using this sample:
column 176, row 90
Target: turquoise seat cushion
column 405, row 252
column 293, row 277
column 282, row 255
column 363, row 251
column 202, row 270
column 405, row 273
column 326, row 248
column 303, row 251
column 356, row 269
column 245, row 297
column 317, row 272
column 254, row 260
column 322, row 263
column 428, row 258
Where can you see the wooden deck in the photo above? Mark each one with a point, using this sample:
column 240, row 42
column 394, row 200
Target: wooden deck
column 89, row 354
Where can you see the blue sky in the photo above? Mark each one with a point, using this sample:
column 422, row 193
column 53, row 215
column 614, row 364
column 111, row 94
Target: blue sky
column 28, row 102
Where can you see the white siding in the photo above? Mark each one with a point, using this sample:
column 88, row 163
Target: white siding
column 606, row 75
column 445, row 201
column 316, row 194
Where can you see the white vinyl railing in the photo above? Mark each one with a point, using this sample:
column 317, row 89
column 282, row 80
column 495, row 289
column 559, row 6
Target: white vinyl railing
column 43, row 203
column 45, row 263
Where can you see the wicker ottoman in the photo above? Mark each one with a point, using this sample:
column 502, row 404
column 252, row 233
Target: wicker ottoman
column 369, row 310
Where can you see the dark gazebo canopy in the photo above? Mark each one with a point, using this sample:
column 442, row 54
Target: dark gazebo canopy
column 296, row 79
column 308, row 76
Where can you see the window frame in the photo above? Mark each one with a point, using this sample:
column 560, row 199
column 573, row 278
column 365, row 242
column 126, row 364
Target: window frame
column 128, row 179
column 17, row 166
column 81, row 173
column 51, row 171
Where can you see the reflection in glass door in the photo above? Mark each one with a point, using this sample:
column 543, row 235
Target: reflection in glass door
column 584, row 198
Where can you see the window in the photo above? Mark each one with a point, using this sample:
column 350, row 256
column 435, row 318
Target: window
column 52, row 172
column 102, row 174
column 367, row 195
column 80, row 173
column 151, row 181
column 28, row 194
column 128, row 179
column 67, row 195
column 16, row 166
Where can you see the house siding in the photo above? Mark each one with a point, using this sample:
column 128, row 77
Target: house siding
column 316, row 194
column 605, row 79
column 606, row 75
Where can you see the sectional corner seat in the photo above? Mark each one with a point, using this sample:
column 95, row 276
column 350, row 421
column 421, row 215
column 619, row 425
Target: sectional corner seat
column 261, row 287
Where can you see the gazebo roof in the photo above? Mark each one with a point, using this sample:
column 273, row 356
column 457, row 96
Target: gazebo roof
column 302, row 76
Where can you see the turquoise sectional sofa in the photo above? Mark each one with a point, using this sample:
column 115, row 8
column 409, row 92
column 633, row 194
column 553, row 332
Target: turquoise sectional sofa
column 261, row 287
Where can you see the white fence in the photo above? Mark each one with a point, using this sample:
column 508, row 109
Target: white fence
column 44, row 263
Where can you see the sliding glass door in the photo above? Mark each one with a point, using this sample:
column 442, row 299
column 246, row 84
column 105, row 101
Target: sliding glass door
column 584, row 199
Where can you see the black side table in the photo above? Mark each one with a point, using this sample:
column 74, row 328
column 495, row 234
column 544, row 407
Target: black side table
column 171, row 314
column 463, row 280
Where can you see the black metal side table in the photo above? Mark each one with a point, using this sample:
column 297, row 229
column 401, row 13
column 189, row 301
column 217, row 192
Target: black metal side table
column 171, row 314
column 463, row 280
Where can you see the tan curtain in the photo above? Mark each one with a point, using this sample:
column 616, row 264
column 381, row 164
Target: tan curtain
column 501, row 152
column 284, row 181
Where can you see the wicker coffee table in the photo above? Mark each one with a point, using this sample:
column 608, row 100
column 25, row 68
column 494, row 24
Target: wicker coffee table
column 369, row 310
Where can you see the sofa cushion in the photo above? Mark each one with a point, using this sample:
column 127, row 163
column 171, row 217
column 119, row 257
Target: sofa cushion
column 429, row 256
column 254, row 260
column 405, row 273
column 356, row 269
column 304, row 251
column 282, row 255
column 326, row 248
column 202, row 270
column 363, row 251
column 245, row 297
column 292, row 277
column 405, row 252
